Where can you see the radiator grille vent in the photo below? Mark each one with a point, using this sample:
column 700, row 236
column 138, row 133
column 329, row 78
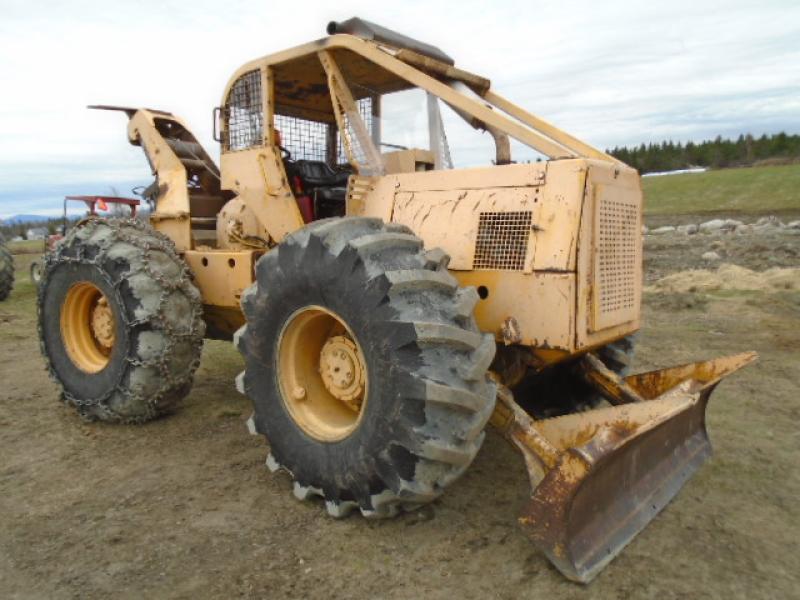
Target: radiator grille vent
column 502, row 242
column 617, row 255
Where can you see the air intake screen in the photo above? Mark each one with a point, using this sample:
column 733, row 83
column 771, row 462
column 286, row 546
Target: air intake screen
column 502, row 242
column 617, row 259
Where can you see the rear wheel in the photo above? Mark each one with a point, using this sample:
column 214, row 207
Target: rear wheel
column 6, row 272
column 561, row 389
column 365, row 366
column 119, row 321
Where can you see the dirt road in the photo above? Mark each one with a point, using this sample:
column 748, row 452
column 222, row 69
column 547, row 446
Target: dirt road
column 184, row 507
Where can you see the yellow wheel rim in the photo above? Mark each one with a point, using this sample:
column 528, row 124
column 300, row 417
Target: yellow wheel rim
column 88, row 327
column 322, row 374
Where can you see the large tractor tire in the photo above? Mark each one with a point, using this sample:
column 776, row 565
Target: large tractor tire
column 120, row 321
column 561, row 389
column 6, row 272
column 366, row 370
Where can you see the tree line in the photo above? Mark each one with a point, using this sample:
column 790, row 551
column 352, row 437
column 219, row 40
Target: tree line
column 718, row 153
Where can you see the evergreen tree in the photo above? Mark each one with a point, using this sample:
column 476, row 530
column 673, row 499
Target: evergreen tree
column 715, row 154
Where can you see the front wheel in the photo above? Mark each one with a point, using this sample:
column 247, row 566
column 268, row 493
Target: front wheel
column 120, row 321
column 365, row 366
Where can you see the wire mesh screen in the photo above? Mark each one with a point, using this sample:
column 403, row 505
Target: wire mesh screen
column 617, row 254
column 502, row 242
column 244, row 113
column 306, row 140
column 365, row 110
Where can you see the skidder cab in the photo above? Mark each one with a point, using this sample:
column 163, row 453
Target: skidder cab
column 388, row 305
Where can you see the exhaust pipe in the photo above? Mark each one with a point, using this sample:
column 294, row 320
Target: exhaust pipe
column 370, row 31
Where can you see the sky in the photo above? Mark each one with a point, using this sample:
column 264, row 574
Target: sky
column 611, row 73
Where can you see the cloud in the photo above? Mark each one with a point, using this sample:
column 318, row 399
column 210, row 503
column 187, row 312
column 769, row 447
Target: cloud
column 614, row 73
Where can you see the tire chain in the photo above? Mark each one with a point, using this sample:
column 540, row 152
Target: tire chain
column 146, row 240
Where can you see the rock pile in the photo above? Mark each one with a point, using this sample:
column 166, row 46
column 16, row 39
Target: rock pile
column 714, row 226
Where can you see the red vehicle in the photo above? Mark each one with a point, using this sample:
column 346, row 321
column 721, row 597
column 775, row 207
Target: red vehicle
column 93, row 203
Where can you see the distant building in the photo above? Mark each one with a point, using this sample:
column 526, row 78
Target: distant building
column 36, row 233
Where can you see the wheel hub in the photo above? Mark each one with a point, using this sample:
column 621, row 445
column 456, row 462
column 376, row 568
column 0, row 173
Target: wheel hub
column 103, row 324
column 342, row 371
column 322, row 373
column 88, row 328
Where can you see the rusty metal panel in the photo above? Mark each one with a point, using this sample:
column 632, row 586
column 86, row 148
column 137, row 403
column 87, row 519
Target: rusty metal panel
column 540, row 304
column 599, row 477
column 221, row 275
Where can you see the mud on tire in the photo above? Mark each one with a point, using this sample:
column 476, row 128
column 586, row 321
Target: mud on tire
column 157, row 320
column 428, row 397
column 561, row 390
column 6, row 272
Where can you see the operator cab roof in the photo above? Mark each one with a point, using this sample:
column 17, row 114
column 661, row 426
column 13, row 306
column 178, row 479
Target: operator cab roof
column 300, row 82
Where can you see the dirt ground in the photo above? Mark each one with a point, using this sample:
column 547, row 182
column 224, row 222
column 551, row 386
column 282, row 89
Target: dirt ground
column 184, row 507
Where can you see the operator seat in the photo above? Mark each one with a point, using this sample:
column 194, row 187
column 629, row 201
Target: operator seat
column 325, row 185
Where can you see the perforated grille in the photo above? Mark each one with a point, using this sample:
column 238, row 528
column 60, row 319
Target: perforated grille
column 244, row 113
column 306, row 140
column 502, row 242
column 617, row 255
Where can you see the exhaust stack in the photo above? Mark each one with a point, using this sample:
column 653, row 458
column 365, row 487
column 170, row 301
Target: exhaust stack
column 370, row 31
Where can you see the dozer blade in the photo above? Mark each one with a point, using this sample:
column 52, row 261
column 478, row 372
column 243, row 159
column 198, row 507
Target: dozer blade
column 600, row 477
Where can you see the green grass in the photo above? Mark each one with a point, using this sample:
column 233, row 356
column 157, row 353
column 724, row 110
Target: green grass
column 22, row 301
column 26, row 247
column 746, row 190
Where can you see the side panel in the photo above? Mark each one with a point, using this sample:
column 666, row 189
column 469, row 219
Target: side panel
column 579, row 285
column 258, row 177
column 542, row 306
column 609, row 255
column 559, row 221
column 377, row 200
column 463, row 222
column 221, row 275
column 510, row 231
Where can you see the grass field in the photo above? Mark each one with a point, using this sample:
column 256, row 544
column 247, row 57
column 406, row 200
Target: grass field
column 26, row 247
column 756, row 190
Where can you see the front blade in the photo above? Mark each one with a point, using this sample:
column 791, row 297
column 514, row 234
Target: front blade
column 599, row 477
column 605, row 490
